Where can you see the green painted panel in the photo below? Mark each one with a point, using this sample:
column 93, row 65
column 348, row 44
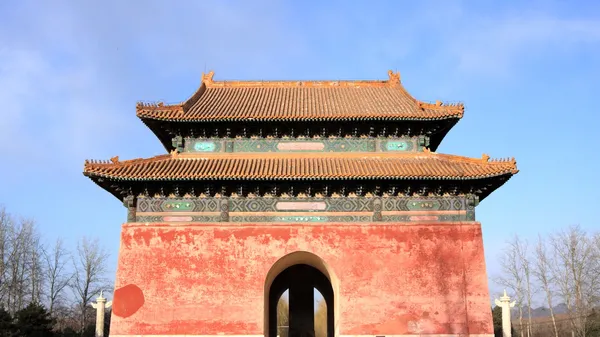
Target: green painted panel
column 396, row 146
column 254, row 145
column 423, row 205
column 175, row 206
column 285, row 145
column 230, row 209
column 402, row 144
column 257, row 204
column 204, row 146
column 301, row 145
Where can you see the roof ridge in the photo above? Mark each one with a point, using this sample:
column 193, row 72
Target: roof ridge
column 141, row 106
column 438, row 105
column 208, row 80
column 115, row 161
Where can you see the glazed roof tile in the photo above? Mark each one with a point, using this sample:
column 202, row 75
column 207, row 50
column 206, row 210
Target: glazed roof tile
column 299, row 101
column 285, row 166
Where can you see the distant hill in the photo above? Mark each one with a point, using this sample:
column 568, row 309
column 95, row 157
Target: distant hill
column 539, row 312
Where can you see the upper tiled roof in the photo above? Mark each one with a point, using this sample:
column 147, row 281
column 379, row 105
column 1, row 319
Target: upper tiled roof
column 284, row 166
column 300, row 101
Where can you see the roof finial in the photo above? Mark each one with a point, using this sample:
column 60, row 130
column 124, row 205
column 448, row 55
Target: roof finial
column 114, row 159
column 485, row 157
column 208, row 77
column 394, row 78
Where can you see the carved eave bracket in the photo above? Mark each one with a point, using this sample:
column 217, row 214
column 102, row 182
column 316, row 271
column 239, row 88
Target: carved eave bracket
column 129, row 202
column 177, row 143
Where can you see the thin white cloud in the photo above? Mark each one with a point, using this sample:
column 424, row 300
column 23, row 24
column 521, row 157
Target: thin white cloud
column 71, row 72
column 495, row 47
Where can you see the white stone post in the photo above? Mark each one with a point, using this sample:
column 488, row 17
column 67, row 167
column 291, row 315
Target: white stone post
column 505, row 303
column 101, row 305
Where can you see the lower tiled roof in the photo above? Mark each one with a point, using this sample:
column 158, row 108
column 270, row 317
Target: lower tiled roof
column 321, row 166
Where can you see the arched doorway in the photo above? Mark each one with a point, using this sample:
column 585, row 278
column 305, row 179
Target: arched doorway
column 300, row 273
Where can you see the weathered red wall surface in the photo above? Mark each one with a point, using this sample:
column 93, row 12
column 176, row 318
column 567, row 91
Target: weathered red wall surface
column 203, row 279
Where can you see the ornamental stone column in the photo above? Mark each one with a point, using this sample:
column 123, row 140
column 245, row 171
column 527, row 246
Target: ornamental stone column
column 505, row 303
column 101, row 305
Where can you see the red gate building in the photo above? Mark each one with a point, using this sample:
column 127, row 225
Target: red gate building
column 275, row 185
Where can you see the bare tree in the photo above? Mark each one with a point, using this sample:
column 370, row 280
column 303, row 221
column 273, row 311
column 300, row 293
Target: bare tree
column 57, row 275
column 575, row 258
column 513, row 275
column 542, row 273
column 90, row 275
column 595, row 270
column 35, row 272
column 21, row 270
column 521, row 247
column 6, row 223
column 30, row 273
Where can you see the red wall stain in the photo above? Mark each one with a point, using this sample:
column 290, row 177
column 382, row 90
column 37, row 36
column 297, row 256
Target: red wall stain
column 127, row 300
column 398, row 278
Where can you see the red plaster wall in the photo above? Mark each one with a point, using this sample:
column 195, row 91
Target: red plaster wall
column 396, row 278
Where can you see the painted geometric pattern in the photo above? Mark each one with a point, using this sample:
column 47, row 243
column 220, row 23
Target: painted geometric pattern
column 301, row 205
column 194, row 218
column 399, row 209
column 424, row 203
column 302, row 145
column 429, row 218
column 178, row 205
column 312, row 218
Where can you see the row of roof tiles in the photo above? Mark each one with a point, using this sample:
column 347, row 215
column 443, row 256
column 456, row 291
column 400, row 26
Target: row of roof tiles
column 328, row 166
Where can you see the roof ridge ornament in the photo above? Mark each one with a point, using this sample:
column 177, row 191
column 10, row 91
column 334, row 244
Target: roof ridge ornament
column 157, row 105
column 394, row 77
column 439, row 104
column 114, row 160
column 485, row 158
column 208, row 77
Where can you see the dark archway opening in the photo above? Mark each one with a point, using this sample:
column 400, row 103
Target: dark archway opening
column 301, row 280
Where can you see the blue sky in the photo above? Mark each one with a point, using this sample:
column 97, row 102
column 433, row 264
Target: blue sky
column 528, row 73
